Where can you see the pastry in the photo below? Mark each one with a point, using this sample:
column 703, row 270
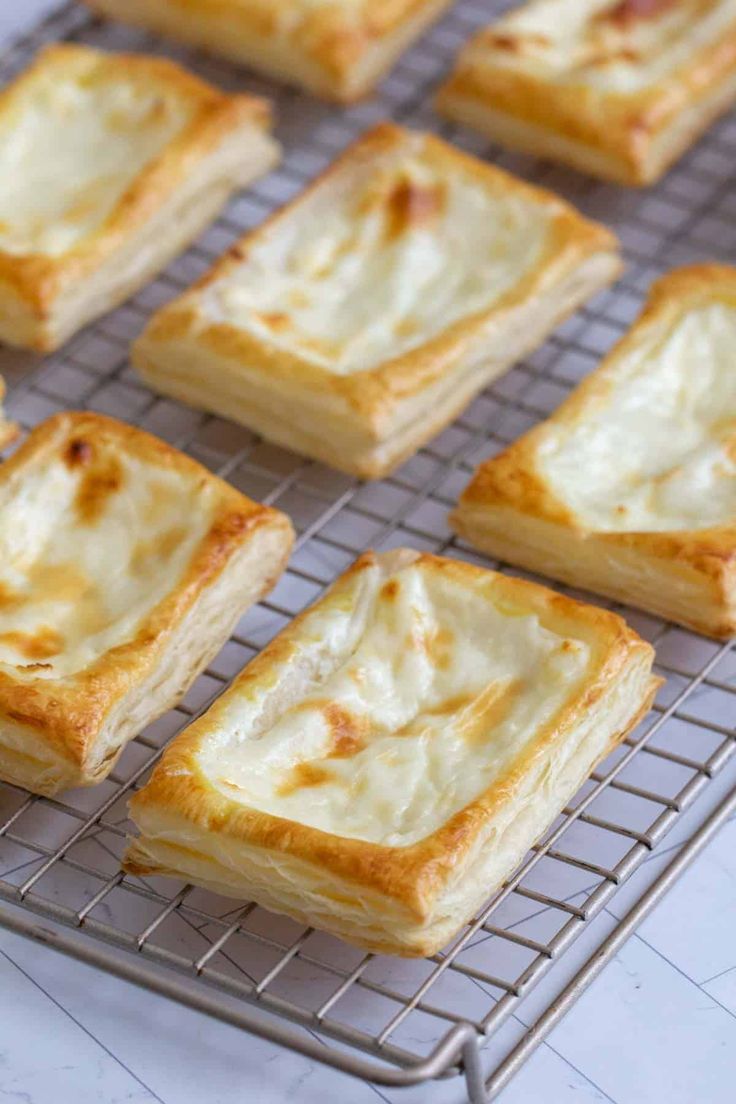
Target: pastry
column 123, row 567
column 629, row 489
column 387, row 761
column 617, row 88
column 363, row 317
column 338, row 50
column 110, row 164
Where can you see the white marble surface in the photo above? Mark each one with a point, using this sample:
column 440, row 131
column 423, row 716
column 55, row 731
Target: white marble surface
column 658, row 1026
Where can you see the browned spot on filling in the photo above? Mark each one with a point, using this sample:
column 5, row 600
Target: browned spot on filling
column 102, row 478
column 606, row 56
column 298, row 298
column 158, row 112
column 447, row 708
column 475, row 716
column 160, row 548
column 410, row 205
column 9, row 597
column 41, row 644
column 158, row 496
column 515, row 44
column 61, row 582
column 78, row 452
column 480, row 716
column 390, row 590
column 626, row 12
column 275, row 320
column 347, row 732
column 504, row 42
column 406, row 327
column 436, row 643
column 303, row 776
column 348, row 735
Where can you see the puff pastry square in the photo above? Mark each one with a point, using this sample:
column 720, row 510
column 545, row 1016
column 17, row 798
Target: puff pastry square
column 388, row 760
column 338, row 49
column 362, row 318
column 617, row 88
column 629, row 489
column 109, row 165
column 123, row 567
column 8, row 430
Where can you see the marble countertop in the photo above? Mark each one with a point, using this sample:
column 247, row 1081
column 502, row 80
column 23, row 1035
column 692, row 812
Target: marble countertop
column 658, row 1025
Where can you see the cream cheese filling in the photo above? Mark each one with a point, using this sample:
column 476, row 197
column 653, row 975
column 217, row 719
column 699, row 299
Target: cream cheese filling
column 590, row 42
column 70, row 149
column 657, row 451
column 85, row 554
column 362, row 272
column 437, row 694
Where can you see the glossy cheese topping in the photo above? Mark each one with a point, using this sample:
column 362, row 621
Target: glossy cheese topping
column 72, row 144
column 616, row 46
column 431, row 691
column 90, row 540
column 658, row 450
column 376, row 263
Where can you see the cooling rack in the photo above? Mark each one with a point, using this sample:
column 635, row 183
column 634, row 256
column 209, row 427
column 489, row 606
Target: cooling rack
column 393, row 1022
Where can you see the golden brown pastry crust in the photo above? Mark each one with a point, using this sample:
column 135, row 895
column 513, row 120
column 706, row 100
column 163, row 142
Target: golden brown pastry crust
column 369, row 420
column 338, row 51
column 511, row 510
column 401, row 888
column 225, row 142
column 52, row 730
column 563, row 112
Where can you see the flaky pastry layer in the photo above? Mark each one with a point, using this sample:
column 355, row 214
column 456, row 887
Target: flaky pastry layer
column 389, row 758
column 358, row 321
column 617, row 88
column 629, row 489
column 109, row 165
column 338, row 51
column 123, row 568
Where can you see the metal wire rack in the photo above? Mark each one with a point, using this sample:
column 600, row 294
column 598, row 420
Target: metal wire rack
column 393, row 1022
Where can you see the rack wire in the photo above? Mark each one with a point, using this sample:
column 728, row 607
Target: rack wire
column 393, row 1022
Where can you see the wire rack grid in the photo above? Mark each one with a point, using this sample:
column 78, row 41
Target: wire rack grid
column 393, row 1022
